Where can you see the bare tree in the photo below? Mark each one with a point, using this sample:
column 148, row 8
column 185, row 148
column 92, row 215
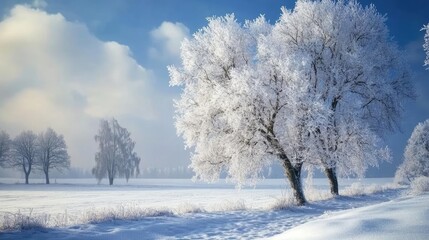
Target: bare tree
column 51, row 152
column 5, row 147
column 116, row 156
column 24, row 153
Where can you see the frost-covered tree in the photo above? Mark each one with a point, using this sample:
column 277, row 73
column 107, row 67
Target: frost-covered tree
column 314, row 89
column 24, row 153
column 426, row 44
column 354, row 69
column 236, row 107
column 416, row 155
column 51, row 152
column 5, row 147
column 116, row 156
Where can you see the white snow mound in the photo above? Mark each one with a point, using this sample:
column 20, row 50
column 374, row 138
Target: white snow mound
column 403, row 218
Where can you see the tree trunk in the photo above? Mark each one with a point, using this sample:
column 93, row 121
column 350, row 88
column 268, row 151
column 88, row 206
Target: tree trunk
column 293, row 173
column 333, row 181
column 27, row 175
column 47, row 176
column 110, row 180
column 294, row 176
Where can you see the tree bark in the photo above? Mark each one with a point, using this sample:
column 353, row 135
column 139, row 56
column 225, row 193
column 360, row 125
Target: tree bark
column 27, row 175
column 293, row 174
column 110, row 180
column 47, row 177
column 333, row 181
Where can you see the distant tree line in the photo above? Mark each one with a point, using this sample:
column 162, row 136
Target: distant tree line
column 27, row 151
column 47, row 150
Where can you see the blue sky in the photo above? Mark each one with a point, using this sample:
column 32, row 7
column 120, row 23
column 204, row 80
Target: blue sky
column 71, row 66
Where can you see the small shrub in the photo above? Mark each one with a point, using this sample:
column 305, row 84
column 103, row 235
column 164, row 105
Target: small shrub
column 313, row 195
column 286, row 201
column 420, row 185
column 185, row 208
column 228, row 206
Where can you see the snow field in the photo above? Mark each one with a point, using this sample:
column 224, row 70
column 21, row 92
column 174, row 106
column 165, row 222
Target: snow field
column 171, row 209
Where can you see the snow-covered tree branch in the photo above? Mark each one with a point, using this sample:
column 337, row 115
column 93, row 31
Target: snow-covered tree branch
column 426, row 44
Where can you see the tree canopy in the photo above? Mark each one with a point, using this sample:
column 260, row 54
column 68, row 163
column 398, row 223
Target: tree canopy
column 314, row 89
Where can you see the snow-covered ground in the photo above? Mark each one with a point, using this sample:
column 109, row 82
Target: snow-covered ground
column 170, row 208
column 402, row 218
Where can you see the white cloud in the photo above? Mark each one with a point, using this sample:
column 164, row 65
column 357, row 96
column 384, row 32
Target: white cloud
column 39, row 4
column 56, row 73
column 167, row 39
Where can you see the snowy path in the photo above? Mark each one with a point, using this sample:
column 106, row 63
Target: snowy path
column 255, row 220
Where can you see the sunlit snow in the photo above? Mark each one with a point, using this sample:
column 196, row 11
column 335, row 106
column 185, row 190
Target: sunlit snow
column 403, row 218
column 174, row 209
